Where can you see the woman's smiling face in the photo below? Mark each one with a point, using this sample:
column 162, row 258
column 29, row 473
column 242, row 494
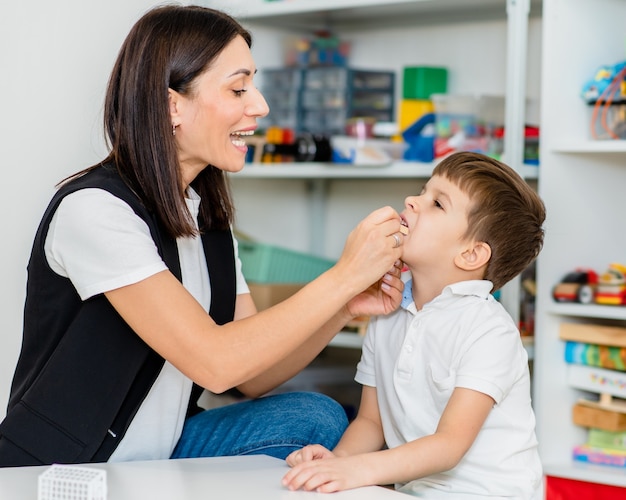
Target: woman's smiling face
column 223, row 108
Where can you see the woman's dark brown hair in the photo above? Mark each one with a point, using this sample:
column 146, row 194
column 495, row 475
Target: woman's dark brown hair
column 169, row 47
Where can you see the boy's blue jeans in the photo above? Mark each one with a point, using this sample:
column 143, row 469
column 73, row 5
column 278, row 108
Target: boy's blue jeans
column 273, row 425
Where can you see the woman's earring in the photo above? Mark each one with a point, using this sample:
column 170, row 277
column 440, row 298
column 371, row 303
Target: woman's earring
column 173, row 129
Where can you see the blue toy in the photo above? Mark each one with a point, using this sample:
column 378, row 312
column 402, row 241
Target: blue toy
column 421, row 139
column 607, row 84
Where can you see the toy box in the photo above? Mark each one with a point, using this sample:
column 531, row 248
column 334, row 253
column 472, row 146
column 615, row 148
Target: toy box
column 266, row 295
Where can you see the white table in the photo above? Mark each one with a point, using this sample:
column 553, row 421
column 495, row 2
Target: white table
column 254, row 477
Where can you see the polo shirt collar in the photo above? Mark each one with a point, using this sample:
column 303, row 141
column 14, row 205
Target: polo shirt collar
column 479, row 288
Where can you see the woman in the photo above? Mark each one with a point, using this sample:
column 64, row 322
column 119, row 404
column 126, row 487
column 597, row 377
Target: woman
column 128, row 260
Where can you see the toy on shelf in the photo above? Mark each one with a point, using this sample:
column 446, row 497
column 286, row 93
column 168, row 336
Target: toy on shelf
column 577, row 286
column 606, row 91
column 611, row 289
column 322, row 48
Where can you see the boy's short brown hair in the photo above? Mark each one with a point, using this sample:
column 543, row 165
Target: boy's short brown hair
column 505, row 212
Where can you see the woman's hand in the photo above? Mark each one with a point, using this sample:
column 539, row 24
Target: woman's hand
column 371, row 249
column 381, row 297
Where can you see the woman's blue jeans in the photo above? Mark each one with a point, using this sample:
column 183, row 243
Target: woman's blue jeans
column 273, row 425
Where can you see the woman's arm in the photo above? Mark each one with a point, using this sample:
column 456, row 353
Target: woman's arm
column 167, row 318
column 381, row 298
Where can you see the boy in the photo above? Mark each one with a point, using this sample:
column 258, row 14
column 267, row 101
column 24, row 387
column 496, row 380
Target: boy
column 445, row 409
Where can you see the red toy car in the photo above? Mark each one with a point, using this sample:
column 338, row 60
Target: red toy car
column 577, row 286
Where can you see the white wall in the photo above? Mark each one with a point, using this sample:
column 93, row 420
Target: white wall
column 55, row 57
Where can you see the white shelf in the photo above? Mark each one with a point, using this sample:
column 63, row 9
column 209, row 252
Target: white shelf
column 591, row 146
column 350, row 340
column 305, row 170
column 588, row 311
column 362, row 13
column 580, row 471
column 396, row 170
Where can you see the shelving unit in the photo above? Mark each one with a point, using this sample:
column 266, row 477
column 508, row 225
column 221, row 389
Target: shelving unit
column 582, row 183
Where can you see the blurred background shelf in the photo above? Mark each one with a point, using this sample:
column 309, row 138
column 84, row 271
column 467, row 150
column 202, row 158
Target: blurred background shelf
column 364, row 13
column 396, row 170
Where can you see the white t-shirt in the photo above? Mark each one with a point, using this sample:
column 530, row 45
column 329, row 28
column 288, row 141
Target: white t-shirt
column 97, row 241
column 415, row 359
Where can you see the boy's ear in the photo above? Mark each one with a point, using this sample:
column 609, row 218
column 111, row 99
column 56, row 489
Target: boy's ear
column 474, row 257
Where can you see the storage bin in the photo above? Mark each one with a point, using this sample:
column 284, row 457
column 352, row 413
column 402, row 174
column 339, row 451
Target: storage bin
column 325, row 78
column 321, row 99
column 466, row 122
column 474, row 115
column 330, row 99
column 262, row 263
column 284, row 78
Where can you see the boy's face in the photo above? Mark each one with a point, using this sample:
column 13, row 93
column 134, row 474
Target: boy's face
column 437, row 222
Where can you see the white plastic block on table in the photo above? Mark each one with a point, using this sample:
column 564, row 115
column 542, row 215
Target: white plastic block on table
column 65, row 482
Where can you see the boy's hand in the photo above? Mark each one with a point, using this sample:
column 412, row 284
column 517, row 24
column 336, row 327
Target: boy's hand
column 308, row 453
column 328, row 475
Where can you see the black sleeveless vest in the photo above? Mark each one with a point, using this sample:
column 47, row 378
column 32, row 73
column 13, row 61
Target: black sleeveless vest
column 82, row 372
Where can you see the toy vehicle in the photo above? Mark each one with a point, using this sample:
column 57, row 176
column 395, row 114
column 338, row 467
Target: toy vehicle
column 611, row 289
column 577, row 286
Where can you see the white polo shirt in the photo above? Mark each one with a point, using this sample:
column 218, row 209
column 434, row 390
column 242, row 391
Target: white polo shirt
column 415, row 359
column 97, row 241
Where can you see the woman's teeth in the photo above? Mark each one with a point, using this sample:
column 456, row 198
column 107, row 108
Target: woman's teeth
column 236, row 139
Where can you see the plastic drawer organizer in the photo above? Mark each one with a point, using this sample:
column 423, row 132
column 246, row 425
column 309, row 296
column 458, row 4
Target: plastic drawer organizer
column 321, row 99
column 269, row 264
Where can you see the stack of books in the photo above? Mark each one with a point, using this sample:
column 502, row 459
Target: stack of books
column 596, row 358
column 603, row 448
